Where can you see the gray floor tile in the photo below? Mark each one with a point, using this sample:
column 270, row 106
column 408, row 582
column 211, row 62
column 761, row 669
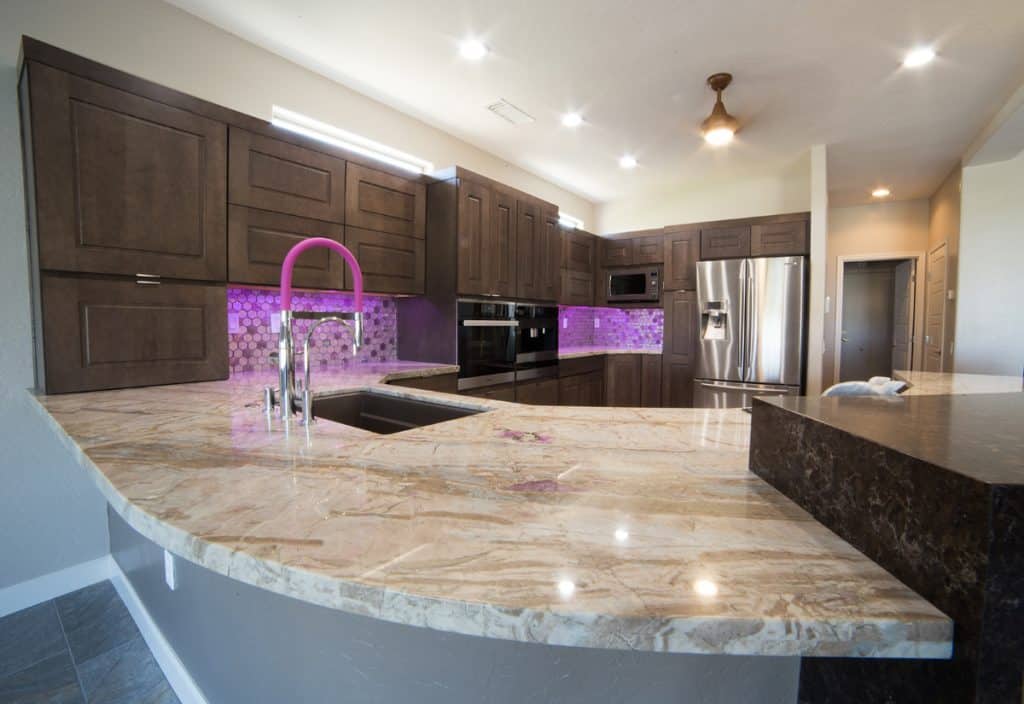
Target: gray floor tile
column 52, row 681
column 95, row 621
column 127, row 674
column 29, row 636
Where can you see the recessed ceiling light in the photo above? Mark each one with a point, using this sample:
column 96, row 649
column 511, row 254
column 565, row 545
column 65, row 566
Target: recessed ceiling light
column 881, row 192
column 919, row 57
column 627, row 161
column 472, row 49
column 572, row 119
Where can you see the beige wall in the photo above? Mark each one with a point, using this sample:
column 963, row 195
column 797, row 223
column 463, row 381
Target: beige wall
column 787, row 191
column 879, row 229
column 990, row 313
column 944, row 226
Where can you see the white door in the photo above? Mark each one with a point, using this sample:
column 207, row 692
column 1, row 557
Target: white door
column 935, row 309
column 903, row 316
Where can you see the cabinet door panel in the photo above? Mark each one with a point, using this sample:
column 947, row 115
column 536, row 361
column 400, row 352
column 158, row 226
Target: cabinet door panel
column 375, row 200
column 474, row 231
column 577, row 289
column 622, row 380
column 618, row 252
column 779, row 239
column 500, row 251
column 681, row 251
column 725, row 242
column 649, row 250
column 539, row 393
column 578, row 251
column 592, row 391
column 650, row 393
column 528, row 241
column 570, row 391
column 115, row 333
column 258, row 241
column 678, row 354
column 125, row 185
column 549, row 257
column 390, row 263
column 269, row 174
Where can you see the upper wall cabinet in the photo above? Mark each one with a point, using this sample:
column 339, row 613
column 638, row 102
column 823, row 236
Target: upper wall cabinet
column 390, row 263
column 681, row 251
column 649, row 249
column 617, row 253
column 779, row 239
column 579, row 251
column 269, row 174
column 725, row 242
column 123, row 184
column 528, row 244
column 375, row 200
column 549, row 255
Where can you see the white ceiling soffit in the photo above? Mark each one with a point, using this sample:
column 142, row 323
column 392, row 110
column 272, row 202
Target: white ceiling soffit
column 1003, row 138
column 805, row 73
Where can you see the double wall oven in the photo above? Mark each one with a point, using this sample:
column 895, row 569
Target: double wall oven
column 502, row 342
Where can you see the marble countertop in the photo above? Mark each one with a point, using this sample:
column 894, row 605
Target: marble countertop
column 574, row 352
column 941, row 383
column 638, row 529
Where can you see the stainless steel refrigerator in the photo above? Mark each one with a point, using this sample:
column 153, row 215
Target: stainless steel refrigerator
column 751, row 338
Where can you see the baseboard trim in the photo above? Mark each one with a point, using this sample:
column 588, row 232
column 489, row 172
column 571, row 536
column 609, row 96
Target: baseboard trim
column 180, row 680
column 50, row 586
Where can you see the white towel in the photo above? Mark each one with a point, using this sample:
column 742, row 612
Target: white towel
column 875, row 386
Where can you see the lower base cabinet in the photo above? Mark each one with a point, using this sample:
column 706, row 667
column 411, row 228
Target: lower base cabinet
column 494, row 393
column 581, row 389
column 543, row 392
column 679, row 351
column 622, row 380
column 448, row 383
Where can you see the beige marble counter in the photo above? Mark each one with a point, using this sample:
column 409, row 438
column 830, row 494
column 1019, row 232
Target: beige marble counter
column 612, row 528
column 942, row 384
column 574, row 352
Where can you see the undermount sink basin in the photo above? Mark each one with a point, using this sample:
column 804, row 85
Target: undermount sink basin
column 383, row 413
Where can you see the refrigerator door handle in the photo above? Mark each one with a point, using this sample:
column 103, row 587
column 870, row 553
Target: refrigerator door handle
column 742, row 322
column 748, row 321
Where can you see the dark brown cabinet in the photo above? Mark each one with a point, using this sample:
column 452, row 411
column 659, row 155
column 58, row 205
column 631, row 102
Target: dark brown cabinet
column 581, row 381
column 447, row 383
column 634, row 249
column 650, row 381
column 681, row 251
column 501, row 248
column 622, row 380
column 528, row 244
column 123, row 184
column 475, row 256
column 258, row 241
column 269, row 174
column 390, row 263
column 577, row 289
column 543, row 392
column 726, row 242
column 679, row 350
column 579, row 258
column 549, row 255
column 114, row 333
column 494, row 393
column 617, row 253
column 383, row 202
column 779, row 239
column 649, row 250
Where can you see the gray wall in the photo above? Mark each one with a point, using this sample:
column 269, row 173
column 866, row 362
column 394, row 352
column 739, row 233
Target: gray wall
column 244, row 644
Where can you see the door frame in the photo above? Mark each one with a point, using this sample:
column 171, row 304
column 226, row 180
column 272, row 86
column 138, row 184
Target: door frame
column 920, row 260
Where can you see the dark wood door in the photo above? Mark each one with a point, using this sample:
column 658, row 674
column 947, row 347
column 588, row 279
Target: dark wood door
column 578, row 251
column 543, row 392
column 618, row 252
column 104, row 333
column 390, row 263
column 779, row 239
column 474, row 232
column 577, row 289
column 649, row 249
column 125, row 185
column 681, row 252
column 678, row 354
column 549, row 256
column 622, row 380
column 528, row 243
column 501, row 247
column 269, row 174
column 258, row 241
column 383, row 202
column 726, row 242
column 650, row 384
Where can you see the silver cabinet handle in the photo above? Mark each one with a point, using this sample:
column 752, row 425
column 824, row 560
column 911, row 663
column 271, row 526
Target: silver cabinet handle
column 490, row 323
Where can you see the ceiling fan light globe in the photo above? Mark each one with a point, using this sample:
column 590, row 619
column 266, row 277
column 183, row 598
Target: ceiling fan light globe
column 719, row 136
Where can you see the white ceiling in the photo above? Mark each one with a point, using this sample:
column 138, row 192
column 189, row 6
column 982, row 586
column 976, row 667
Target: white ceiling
column 806, row 72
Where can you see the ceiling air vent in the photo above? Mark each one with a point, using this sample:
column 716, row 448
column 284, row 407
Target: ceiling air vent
column 509, row 112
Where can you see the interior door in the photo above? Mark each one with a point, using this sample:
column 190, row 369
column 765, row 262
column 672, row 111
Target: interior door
column 935, row 310
column 903, row 315
column 773, row 340
column 866, row 341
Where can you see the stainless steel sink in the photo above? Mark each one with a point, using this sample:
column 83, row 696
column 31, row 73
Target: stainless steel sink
column 383, row 413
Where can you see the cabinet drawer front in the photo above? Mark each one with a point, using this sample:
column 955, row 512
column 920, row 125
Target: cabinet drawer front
column 390, row 263
column 258, row 241
column 115, row 333
column 577, row 289
column 779, row 239
column 618, row 253
column 269, row 174
column 581, row 365
column 725, row 242
column 648, row 250
column 125, row 185
column 375, row 200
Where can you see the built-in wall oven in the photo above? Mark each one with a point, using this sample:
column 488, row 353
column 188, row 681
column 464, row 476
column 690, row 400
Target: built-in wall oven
column 487, row 343
column 536, row 342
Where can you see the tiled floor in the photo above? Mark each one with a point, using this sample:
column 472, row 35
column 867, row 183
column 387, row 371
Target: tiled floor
column 82, row 648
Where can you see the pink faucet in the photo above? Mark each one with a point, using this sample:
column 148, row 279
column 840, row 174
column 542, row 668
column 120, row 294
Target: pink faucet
column 286, row 347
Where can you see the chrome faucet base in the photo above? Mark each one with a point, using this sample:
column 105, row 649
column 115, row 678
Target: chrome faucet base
column 286, row 356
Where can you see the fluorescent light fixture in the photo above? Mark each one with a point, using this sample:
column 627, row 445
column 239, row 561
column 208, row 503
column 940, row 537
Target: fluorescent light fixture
column 305, row 125
column 919, row 57
column 472, row 49
column 627, row 161
column 572, row 119
column 569, row 221
column 882, row 192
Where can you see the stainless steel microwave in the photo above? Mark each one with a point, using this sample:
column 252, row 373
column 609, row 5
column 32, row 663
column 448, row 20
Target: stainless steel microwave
column 633, row 284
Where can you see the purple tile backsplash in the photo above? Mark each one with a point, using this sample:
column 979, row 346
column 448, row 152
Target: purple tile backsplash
column 251, row 337
column 615, row 327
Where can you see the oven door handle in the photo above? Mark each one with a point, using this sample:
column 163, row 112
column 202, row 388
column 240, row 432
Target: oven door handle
column 490, row 323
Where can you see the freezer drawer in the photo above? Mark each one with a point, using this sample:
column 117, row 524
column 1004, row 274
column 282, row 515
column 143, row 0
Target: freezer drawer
column 728, row 394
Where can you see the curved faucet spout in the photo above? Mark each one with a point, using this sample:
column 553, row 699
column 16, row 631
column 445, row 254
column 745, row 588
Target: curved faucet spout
column 312, row 243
